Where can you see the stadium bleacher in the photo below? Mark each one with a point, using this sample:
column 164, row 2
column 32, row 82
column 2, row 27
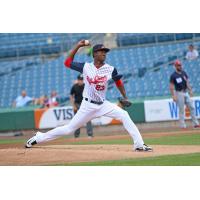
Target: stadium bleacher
column 127, row 39
column 26, row 44
column 146, row 72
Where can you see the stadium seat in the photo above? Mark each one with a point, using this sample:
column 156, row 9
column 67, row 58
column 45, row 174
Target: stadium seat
column 137, row 64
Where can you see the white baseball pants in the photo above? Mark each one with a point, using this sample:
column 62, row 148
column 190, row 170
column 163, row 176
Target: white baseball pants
column 89, row 111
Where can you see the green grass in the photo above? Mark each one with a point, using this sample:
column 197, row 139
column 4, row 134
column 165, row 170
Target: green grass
column 12, row 141
column 169, row 160
column 115, row 141
column 191, row 139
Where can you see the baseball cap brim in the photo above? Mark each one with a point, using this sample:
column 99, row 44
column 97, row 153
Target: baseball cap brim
column 80, row 77
column 102, row 49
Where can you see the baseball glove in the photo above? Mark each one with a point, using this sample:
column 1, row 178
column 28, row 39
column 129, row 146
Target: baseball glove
column 124, row 102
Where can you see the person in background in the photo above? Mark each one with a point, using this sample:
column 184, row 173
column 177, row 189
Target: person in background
column 76, row 98
column 22, row 100
column 42, row 101
column 45, row 101
column 192, row 54
column 181, row 92
column 53, row 99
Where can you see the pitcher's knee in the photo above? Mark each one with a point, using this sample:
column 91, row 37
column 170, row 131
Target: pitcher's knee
column 65, row 130
column 124, row 114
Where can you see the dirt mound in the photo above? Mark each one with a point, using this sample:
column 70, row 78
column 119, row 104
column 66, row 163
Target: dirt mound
column 58, row 154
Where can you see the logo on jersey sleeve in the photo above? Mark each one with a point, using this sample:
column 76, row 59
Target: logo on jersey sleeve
column 99, row 81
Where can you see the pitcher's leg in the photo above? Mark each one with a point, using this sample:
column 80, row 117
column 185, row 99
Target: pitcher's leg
column 118, row 113
column 89, row 129
column 190, row 105
column 81, row 117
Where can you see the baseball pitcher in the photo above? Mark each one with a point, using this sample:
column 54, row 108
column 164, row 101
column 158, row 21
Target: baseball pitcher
column 96, row 76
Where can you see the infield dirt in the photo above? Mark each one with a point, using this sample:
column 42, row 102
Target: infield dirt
column 60, row 151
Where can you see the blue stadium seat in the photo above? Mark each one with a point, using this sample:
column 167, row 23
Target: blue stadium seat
column 127, row 39
column 26, row 44
column 40, row 78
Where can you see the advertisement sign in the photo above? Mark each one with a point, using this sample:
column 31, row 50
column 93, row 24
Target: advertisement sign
column 58, row 116
column 167, row 110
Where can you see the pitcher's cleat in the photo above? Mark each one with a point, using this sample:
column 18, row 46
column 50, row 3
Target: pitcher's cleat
column 144, row 148
column 30, row 142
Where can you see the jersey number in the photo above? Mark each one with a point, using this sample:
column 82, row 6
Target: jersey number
column 100, row 87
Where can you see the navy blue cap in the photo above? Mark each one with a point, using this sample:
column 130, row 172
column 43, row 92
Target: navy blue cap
column 99, row 47
column 80, row 77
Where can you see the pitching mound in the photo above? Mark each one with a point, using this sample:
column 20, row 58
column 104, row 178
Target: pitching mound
column 59, row 154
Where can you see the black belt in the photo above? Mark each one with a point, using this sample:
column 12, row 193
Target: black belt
column 95, row 102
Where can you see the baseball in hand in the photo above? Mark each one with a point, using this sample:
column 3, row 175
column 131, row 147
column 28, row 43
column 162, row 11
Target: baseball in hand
column 87, row 42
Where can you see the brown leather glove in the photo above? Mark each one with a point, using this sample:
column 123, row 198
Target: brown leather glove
column 124, row 102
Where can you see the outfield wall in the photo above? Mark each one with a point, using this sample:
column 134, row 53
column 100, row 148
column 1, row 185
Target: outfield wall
column 16, row 119
column 167, row 110
column 34, row 118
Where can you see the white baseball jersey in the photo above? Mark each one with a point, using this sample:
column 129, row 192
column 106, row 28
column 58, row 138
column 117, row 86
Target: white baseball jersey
column 96, row 79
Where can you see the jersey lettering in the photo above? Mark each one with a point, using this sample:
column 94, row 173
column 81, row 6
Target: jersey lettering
column 97, row 79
